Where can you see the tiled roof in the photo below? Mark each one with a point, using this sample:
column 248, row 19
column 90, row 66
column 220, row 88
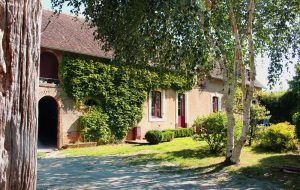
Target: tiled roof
column 216, row 73
column 67, row 33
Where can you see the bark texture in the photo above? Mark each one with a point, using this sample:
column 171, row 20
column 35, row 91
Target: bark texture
column 229, row 90
column 247, row 88
column 20, row 22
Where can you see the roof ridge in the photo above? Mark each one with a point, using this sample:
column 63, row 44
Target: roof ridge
column 66, row 14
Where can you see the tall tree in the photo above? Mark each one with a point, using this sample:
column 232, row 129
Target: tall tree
column 20, row 23
column 188, row 34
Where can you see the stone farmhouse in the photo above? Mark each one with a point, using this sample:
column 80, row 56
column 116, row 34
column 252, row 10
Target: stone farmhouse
column 58, row 115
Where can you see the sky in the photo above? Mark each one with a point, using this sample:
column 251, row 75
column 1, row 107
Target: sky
column 262, row 63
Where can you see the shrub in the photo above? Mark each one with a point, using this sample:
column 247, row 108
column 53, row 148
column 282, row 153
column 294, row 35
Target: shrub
column 182, row 132
column 213, row 130
column 296, row 121
column 94, row 127
column 278, row 137
column 258, row 113
column 167, row 136
column 154, row 136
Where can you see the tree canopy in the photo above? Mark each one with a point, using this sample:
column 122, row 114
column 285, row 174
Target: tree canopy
column 185, row 33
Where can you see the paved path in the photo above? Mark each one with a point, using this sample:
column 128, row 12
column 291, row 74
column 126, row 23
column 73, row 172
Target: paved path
column 113, row 172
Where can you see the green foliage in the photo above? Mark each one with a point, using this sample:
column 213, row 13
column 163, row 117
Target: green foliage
column 167, row 136
column 118, row 90
column 295, row 82
column 187, row 33
column 154, row 136
column 281, row 105
column 278, row 137
column 213, row 130
column 258, row 113
column 182, row 132
column 296, row 121
column 94, row 127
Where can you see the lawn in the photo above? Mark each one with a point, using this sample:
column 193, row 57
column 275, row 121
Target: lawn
column 185, row 153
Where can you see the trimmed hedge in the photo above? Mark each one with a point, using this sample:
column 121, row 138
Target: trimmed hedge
column 182, row 132
column 154, row 136
column 167, row 136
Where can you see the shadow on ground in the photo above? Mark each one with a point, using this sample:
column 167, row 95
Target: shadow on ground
column 114, row 172
column 269, row 169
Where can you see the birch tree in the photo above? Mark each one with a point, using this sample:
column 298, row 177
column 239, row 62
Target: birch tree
column 185, row 34
column 20, row 23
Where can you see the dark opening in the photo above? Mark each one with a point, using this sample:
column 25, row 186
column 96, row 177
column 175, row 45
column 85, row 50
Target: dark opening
column 48, row 120
column 49, row 66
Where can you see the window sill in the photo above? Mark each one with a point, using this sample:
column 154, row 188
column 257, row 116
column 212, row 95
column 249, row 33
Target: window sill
column 156, row 119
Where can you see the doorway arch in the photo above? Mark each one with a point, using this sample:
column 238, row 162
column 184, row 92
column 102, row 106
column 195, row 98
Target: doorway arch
column 48, row 122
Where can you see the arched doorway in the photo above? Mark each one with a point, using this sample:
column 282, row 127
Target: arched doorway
column 48, row 122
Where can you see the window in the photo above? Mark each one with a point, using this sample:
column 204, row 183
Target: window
column 215, row 103
column 48, row 65
column 156, row 106
column 156, row 110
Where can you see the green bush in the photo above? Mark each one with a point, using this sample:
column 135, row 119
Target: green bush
column 182, row 132
column 94, row 127
column 278, row 137
column 213, row 130
column 258, row 113
column 154, row 136
column 296, row 121
column 167, row 136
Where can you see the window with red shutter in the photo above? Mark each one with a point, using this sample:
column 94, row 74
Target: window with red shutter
column 215, row 102
column 156, row 110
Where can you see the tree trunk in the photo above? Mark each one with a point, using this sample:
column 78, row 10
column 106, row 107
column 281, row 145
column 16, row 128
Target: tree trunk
column 246, row 88
column 229, row 78
column 20, row 23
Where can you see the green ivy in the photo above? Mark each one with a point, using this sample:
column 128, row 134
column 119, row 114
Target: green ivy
column 118, row 90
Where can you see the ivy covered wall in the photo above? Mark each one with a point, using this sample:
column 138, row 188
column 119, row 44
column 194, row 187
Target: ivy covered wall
column 113, row 94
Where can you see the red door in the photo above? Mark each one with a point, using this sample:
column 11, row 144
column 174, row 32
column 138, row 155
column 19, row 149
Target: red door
column 181, row 110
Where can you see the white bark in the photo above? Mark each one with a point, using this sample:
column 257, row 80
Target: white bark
column 229, row 90
column 247, row 89
column 20, row 23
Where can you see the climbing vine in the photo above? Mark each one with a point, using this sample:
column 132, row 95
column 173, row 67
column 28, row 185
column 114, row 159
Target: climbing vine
column 118, row 90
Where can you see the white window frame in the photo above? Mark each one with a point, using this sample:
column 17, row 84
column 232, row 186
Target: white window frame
column 186, row 104
column 163, row 107
column 219, row 96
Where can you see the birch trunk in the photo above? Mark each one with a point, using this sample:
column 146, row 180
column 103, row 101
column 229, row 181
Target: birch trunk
column 20, row 22
column 229, row 90
column 247, row 89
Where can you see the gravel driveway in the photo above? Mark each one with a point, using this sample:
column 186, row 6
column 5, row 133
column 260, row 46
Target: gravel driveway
column 113, row 172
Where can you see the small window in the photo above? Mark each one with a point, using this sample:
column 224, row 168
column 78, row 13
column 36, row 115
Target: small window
column 156, row 104
column 48, row 65
column 215, row 104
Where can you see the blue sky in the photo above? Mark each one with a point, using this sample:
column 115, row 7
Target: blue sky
column 261, row 62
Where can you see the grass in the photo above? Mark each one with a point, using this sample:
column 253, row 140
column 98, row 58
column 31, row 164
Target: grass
column 185, row 153
column 41, row 155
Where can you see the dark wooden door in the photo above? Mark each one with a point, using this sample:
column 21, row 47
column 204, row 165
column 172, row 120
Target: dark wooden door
column 181, row 110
